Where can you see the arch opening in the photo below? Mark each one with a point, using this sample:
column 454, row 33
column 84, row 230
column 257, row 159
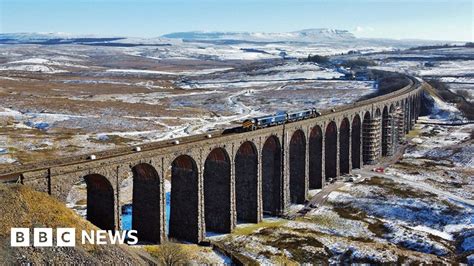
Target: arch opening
column 366, row 139
column 184, row 200
column 246, row 183
column 344, row 140
column 394, row 130
column 407, row 115
column 386, row 132
column 271, row 176
column 146, row 203
column 355, row 142
column 100, row 201
column 330, row 150
column 217, row 192
column 297, row 167
column 316, row 158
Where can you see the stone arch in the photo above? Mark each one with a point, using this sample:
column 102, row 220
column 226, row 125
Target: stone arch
column 392, row 108
column 418, row 103
column 406, row 115
column 355, row 141
column 146, row 203
column 330, row 149
column 344, row 146
column 217, row 199
column 393, row 116
column 246, row 183
column 271, row 176
column 100, row 201
column 184, row 201
column 409, row 113
column 366, row 138
column 386, row 133
column 316, row 158
column 297, row 167
column 378, row 113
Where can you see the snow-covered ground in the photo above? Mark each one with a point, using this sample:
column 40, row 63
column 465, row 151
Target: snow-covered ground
column 43, row 65
column 292, row 71
column 444, row 153
column 449, row 68
column 453, row 66
column 411, row 217
column 181, row 73
column 31, row 68
column 365, row 222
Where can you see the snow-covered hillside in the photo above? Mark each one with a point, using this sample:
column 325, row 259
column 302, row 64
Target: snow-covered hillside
column 308, row 35
column 223, row 45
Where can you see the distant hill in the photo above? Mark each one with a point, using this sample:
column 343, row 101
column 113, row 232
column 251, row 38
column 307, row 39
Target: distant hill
column 320, row 36
column 308, row 35
column 61, row 38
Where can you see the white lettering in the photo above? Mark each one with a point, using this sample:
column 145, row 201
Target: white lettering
column 117, row 237
column 85, row 236
column 101, row 237
column 20, row 237
column 43, row 237
column 66, row 237
column 132, row 237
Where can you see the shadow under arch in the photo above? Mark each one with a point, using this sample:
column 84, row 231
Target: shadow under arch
column 246, row 183
column 184, row 200
column 330, row 149
column 271, row 176
column 297, row 167
column 217, row 201
column 100, row 201
column 366, row 138
column 355, row 142
column 316, row 158
column 386, row 132
column 147, row 203
column 344, row 147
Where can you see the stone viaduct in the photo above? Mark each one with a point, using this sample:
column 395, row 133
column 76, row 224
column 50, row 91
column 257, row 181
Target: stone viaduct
column 219, row 179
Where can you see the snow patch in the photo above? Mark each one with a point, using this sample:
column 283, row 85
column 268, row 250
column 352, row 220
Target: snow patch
column 432, row 231
column 181, row 73
column 32, row 68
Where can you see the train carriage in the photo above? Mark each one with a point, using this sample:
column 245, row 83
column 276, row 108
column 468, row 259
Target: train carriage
column 278, row 119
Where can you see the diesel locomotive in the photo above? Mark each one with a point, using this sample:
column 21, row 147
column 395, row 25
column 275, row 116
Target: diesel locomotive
column 278, row 119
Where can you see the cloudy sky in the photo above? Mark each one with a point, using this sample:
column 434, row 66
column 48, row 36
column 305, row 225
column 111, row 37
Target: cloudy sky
column 399, row 19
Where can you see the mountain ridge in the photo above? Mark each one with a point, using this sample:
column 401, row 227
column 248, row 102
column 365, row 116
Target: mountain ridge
column 306, row 35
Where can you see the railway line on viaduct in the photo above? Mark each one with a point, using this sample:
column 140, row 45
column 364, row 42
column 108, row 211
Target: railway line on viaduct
column 220, row 178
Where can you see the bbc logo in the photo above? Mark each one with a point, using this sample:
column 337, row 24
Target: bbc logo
column 43, row 237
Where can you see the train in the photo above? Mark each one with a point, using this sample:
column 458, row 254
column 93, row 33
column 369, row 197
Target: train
column 278, row 118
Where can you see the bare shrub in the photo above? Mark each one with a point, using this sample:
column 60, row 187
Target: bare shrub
column 170, row 253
